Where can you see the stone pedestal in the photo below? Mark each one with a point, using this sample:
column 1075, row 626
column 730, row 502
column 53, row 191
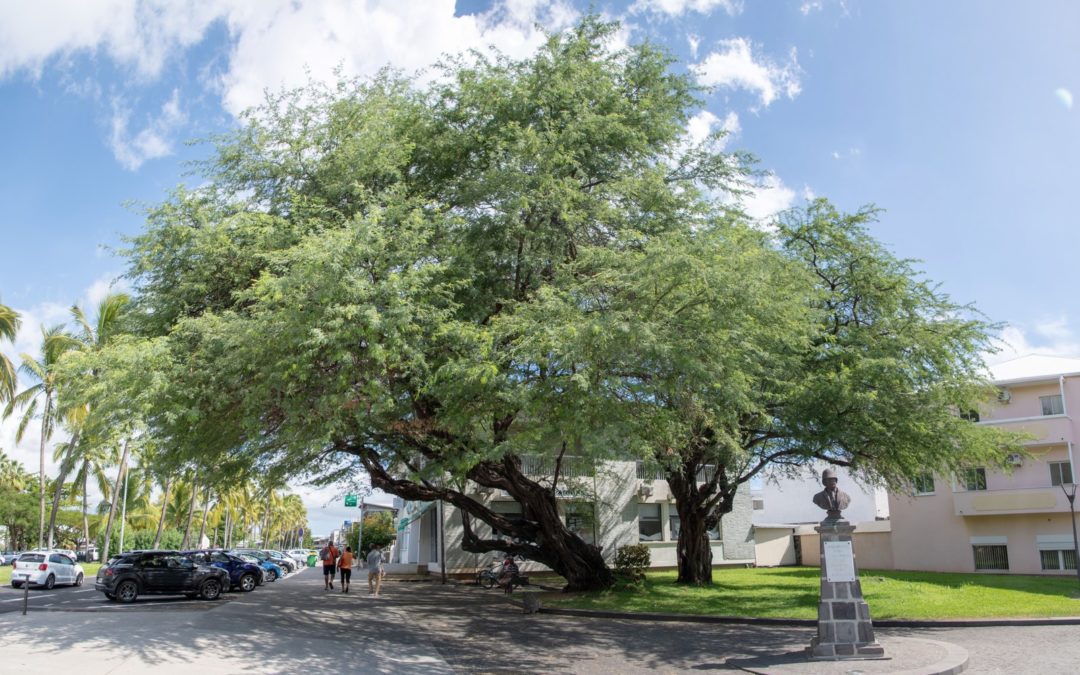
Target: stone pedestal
column 844, row 627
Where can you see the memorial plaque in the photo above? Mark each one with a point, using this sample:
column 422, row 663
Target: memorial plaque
column 839, row 561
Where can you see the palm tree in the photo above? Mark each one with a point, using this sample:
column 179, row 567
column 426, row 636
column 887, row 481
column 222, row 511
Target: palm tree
column 95, row 458
column 42, row 394
column 9, row 326
column 92, row 337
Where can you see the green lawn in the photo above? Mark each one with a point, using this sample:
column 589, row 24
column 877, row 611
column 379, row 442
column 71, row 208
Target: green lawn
column 793, row 593
column 89, row 570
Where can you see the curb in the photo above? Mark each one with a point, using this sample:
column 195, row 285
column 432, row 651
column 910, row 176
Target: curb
column 807, row 623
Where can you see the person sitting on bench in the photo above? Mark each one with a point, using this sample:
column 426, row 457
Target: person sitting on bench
column 507, row 573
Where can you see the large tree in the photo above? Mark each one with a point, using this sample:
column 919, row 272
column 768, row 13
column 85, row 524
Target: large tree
column 809, row 344
column 337, row 290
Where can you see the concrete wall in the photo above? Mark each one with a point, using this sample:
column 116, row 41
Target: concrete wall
column 871, row 541
column 774, row 546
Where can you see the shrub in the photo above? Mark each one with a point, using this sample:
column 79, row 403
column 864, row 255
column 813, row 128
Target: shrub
column 631, row 563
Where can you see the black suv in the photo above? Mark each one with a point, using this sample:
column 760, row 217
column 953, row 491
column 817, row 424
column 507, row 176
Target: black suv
column 127, row 576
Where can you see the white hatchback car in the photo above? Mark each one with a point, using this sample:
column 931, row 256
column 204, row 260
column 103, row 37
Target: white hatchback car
column 46, row 568
column 299, row 555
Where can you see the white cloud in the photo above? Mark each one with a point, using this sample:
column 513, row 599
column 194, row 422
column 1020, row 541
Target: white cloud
column 702, row 124
column 1065, row 96
column 734, row 66
column 1052, row 337
column 811, row 6
column 680, row 7
column 835, row 154
column 271, row 44
column 152, row 141
column 769, row 197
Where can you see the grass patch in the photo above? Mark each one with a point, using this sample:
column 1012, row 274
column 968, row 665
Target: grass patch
column 793, row 593
column 89, row 572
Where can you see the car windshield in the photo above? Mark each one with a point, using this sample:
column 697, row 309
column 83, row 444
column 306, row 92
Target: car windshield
column 32, row 557
column 247, row 558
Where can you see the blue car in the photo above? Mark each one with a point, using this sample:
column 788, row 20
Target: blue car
column 243, row 574
column 271, row 571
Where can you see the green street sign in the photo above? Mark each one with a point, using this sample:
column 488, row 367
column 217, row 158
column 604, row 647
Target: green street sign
column 350, row 500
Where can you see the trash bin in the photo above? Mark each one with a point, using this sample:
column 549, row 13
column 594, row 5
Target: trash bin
column 311, row 560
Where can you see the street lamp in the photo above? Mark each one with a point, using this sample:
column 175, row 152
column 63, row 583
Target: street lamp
column 1070, row 493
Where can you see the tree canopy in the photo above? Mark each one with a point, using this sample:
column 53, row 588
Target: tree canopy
column 431, row 282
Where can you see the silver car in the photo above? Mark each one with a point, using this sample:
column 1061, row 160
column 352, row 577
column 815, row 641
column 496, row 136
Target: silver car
column 46, row 568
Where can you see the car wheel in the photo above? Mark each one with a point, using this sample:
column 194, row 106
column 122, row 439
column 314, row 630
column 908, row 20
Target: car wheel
column 210, row 589
column 271, row 575
column 79, row 579
column 15, row 584
column 247, row 583
column 127, row 591
column 50, row 582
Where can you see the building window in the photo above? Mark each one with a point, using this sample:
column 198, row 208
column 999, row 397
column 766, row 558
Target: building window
column 649, row 526
column 1060, row 473
column 509, row 510
column 675, row 523
column 924, row 484
column 975, row 479
column 1060, row 559
column 1052, row 405
column 580, row 520
column 758, row 503
column 994, row 557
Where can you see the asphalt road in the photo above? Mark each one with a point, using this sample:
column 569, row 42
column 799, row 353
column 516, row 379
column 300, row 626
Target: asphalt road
column 293, row 626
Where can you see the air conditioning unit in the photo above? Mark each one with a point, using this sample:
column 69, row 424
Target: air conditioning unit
column 1015, row 459
column 644, row 491
column 1004, row 396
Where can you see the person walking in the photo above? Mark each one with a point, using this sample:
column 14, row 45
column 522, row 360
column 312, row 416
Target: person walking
column 374, row 570
column 345, row 563
column 329, row 555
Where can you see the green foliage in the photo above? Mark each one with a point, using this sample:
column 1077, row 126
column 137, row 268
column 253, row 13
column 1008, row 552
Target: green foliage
column 144, row 539
column 631, row 563
column 378, row 529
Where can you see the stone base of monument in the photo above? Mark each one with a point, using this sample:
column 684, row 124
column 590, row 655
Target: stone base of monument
column 845, row 630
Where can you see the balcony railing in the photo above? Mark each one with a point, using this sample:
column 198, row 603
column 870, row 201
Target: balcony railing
column 1040, row 430
column 1006, row 502
column 704, row 474
column 572, row 467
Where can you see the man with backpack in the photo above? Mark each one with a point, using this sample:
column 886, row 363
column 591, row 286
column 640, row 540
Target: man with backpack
column 329, row 555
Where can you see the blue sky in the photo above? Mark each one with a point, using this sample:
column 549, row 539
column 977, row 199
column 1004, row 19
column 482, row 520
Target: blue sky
column 956, row 118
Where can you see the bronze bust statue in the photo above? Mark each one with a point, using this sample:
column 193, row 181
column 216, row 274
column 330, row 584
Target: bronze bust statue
column 832, row 499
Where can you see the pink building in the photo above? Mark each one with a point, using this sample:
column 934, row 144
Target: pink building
column 994, row 521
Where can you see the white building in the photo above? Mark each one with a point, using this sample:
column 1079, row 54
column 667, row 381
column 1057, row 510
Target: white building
column 615, row 505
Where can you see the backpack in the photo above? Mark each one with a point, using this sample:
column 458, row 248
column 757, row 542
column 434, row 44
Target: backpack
column 324, row 554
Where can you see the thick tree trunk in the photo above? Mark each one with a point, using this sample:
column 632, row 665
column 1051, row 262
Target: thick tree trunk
column 700, row 508
column 164, row 508
column 541, row 534
column 191, row 513
column 112, row 502
column 693, row 551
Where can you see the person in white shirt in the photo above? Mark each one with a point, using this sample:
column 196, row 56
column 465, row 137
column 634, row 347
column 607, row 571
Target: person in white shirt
column 374, row 570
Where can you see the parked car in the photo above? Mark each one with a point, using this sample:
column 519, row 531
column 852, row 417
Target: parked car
column 299, row 555
column 242, row 574
column 283, row 560
column 9, row 557
column 271, row 572
column 46, row 568
column 168, row 572
column 284, row 563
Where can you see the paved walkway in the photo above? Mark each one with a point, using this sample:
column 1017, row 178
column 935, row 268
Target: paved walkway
column 295, row 626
